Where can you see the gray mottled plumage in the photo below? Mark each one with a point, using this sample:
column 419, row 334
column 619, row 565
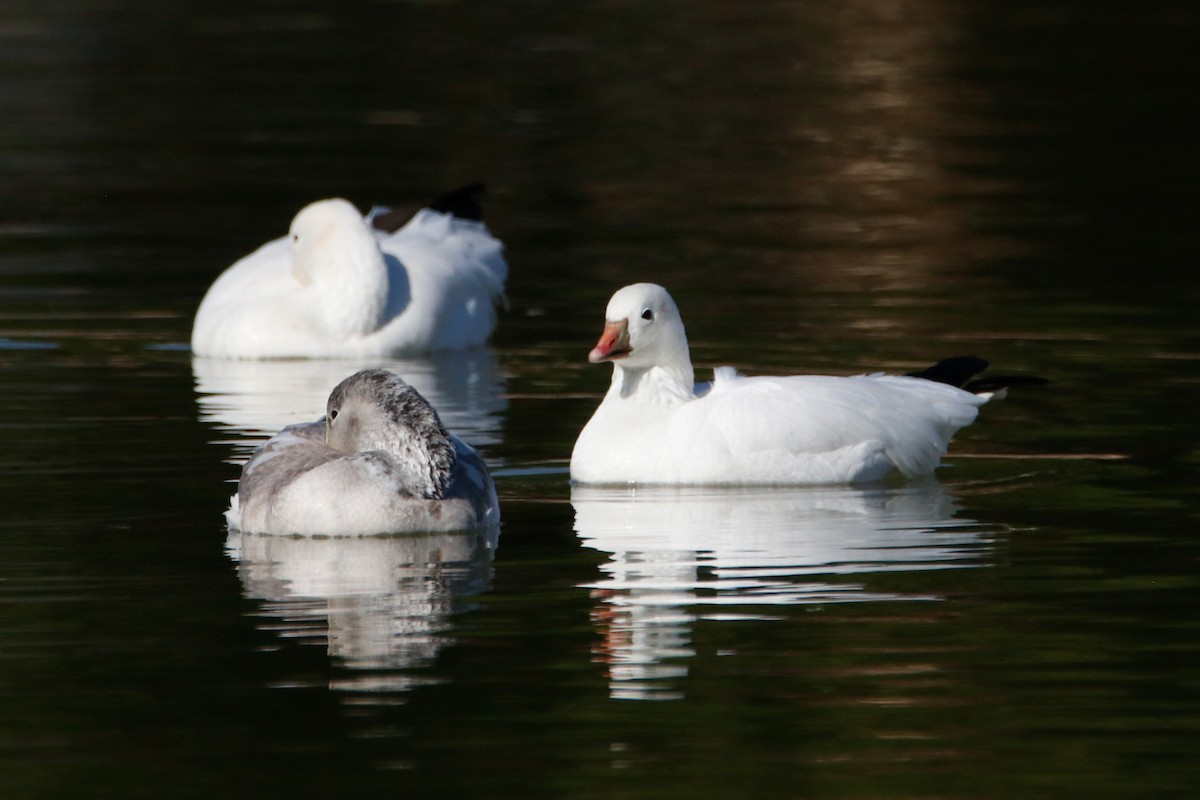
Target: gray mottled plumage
column 380, row 461
column 374, row 410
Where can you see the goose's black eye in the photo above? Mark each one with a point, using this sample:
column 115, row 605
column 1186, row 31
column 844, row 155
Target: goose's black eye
column 333, row 415
column 648, row 315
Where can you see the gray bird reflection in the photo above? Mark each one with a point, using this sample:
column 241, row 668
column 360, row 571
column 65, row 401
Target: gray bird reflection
column 254, row 400
column 381, row 605
column 680, row 554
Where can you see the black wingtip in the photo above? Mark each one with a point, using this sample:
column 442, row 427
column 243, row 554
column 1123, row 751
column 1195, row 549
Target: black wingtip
column 960, row 370
column 954, row 371
column 463, row 202
column 390, row 220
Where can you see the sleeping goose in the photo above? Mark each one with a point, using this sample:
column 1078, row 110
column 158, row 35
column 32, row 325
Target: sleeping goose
column 340, row 285
column 379, row 461
column 655, row 426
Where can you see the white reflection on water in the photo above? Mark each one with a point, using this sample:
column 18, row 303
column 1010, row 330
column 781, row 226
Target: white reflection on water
column 381, row 605
column 255, row 399
column 678, row 554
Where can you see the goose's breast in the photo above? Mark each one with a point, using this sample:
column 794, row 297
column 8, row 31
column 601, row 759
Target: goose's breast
column 624, row 445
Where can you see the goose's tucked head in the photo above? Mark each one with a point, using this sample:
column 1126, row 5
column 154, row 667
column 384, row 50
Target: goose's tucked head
column 642, row 329
column 334, row 251
column 319, row 231
column 375, row 410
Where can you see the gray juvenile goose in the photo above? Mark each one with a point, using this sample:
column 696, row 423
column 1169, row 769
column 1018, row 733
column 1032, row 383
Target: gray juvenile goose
column 379, row 461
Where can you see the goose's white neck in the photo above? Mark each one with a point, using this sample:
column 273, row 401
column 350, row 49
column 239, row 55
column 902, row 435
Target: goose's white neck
column 664, row 386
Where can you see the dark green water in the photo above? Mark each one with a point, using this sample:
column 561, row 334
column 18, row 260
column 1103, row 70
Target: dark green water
column 823, row 187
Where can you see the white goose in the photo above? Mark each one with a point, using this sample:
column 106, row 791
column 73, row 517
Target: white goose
column 655, row 426
column 338, row 286
column 379, row 461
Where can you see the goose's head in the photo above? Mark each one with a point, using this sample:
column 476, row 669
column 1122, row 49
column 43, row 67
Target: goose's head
column 335, row 253
column 323, row 228
column 642, row 329
column 375, row 410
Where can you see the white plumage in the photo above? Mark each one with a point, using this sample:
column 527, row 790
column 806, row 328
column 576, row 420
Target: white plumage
column 336, row 287
column 654, row 427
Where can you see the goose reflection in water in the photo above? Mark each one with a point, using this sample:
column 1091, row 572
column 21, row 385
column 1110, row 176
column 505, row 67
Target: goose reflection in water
column 254, row 400
column 678, row 554
column 381, row 605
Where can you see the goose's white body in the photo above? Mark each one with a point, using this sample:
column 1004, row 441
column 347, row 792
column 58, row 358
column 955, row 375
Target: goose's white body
column 654, row 427
column 336, row 288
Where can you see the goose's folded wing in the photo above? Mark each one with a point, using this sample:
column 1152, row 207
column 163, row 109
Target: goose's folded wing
column 781, row 420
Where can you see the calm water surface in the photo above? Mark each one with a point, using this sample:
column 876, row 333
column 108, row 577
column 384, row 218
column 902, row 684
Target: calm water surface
column 823, row 187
